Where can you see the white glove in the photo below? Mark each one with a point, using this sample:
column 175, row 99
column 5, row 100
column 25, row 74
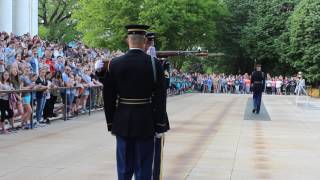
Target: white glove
column 159, row 135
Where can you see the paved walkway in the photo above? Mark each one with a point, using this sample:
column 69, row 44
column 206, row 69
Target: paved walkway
column 213, row 137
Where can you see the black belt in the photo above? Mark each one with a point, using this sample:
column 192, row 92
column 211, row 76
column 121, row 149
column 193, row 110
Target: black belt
column 134, row 101
column 257, row 82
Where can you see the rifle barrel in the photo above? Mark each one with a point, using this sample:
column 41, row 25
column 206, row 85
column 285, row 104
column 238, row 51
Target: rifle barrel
column 166, row 54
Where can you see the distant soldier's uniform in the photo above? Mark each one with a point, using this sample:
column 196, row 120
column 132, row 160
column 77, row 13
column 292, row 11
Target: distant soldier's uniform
column 159, row 140
column 257, row 84
column 301, row 83
column 150, row 49
column 134, row 97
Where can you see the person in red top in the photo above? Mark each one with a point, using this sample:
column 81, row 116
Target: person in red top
column 49, row 61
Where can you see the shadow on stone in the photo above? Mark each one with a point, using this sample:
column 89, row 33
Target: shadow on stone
column 262, row 116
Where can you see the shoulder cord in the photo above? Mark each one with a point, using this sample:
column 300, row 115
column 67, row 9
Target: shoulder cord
column 154, row 70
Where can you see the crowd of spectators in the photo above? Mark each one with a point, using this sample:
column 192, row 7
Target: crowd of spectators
column 229, row 84
column 32, row 64
column 47, row 75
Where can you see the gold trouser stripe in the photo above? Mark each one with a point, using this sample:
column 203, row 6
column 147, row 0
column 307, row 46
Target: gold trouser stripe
column 161, row 160
column 125, row 99
column 162, row 125
column 134, row 103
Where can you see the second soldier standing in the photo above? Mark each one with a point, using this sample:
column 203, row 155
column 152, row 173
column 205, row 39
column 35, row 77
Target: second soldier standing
column 159, row 139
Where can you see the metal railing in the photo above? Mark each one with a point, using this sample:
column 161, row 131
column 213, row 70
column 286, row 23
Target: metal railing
column 65, row 104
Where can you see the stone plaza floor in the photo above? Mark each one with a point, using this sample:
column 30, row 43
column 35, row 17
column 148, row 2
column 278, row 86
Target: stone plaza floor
column 212, row 137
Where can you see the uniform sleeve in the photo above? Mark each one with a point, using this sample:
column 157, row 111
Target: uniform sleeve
column 109, row 98
column 252, row 79
column 263, row 80
column 159, row 99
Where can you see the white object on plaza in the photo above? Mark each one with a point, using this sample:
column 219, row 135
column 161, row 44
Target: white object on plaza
column 303, row 98
column 19, row 16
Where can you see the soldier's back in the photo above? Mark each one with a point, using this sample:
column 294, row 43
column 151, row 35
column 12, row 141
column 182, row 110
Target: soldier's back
column 133, row 76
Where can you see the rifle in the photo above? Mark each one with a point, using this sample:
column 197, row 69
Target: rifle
column 166, row 54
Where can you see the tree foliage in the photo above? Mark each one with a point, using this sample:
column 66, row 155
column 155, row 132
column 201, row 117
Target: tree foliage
column 183, row 24
column 303, row 52
column 283, row 35
column 102, row 21
column 180, row 24
column 260, row 36
column 229, row 37
column 55, row 20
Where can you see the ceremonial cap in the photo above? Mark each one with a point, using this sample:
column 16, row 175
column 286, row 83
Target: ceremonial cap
column 151, row 36
column 137, row 29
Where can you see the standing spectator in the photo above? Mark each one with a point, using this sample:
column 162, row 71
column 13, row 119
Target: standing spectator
column 59, row 66
column 17, row 60
column 215, row 84
column 242, row 85
column 49, row 61
column 237, row 85
column 15, row 81
column 34, row 61
column 72, row 94
column 26, row 84
column 204, row 84
column 247, row 84
column 269, row 86
column 53, row 82
column 273, row 85
column 87, row 82
column 40, row 50
column 225, row 84
column 209, row 84
column 42, row 84
column 66, row 94
column 6, row 110
column 286, row 85
column 10, row 53
column 2, row 64
column 278, row 86
column 77, row 94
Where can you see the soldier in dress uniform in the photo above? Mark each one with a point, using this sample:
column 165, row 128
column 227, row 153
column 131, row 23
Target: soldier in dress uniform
column 151, row 50
column 301, row 83
column 159, row 140
column 257, row 84
column 134, row 98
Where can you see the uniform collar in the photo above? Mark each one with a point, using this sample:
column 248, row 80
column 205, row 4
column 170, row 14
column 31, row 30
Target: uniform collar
column 136, row 49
